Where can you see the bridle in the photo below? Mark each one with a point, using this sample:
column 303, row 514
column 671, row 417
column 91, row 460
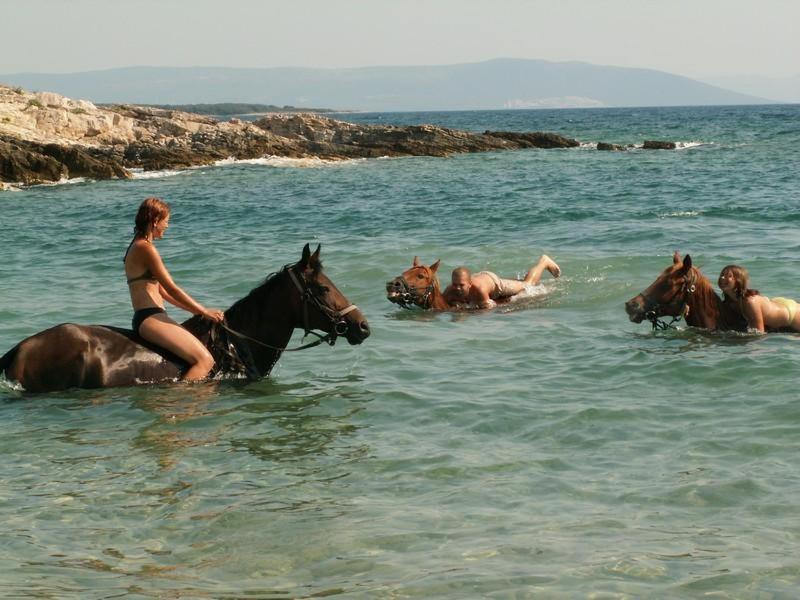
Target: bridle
column 410, row 296
column 653, row 309
column 336, row 317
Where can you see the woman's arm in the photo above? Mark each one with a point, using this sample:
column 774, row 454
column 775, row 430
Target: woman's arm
column 168, row 297
column 170, row 290
column 753, row 313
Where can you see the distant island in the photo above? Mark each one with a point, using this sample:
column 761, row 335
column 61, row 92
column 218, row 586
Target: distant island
column 490, row 85
column 227, row 109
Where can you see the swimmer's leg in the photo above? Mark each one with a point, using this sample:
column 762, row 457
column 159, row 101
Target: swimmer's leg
column 536, row 271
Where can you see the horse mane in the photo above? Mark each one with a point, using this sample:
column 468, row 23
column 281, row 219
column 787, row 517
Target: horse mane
column 436, row 285
column 705, row 296
column 265, row 289
column 245, row 310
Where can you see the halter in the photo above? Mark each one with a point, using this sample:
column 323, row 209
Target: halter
column 689, row 287
column 338, row 324
column 410, row 295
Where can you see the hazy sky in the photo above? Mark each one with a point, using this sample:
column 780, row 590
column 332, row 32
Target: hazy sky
column 696, row 38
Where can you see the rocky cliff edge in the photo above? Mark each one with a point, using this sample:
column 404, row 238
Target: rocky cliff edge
column 45, row 137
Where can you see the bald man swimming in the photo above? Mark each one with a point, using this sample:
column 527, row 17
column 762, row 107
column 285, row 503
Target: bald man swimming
column 485, row 289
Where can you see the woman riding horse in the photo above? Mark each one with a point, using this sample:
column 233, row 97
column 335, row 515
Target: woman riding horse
column 150, row 284
column 254, row 334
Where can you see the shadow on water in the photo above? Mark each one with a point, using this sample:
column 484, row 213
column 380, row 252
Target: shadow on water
column 271, row 421
column 519, row 304
column 690, row 339
column 274, row 422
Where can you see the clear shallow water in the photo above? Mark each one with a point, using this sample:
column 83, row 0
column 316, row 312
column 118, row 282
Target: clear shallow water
column 550, row 449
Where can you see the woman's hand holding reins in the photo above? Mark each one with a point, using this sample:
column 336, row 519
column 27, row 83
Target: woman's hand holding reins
column 213, row 314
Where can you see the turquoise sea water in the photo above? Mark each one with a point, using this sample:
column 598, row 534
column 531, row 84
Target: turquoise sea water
column 551, row 449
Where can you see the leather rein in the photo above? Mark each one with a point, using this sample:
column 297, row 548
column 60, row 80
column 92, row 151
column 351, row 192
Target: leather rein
column 653, row 308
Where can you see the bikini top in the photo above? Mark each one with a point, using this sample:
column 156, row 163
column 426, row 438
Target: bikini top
column 146, row 276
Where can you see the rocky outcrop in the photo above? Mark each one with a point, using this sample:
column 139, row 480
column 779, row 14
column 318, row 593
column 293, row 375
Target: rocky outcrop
column 659, row 145
column 46, row 137
column 606, row 147
column 537, row 139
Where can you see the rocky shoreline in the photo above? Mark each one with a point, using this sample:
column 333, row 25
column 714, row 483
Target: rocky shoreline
column 45, row 138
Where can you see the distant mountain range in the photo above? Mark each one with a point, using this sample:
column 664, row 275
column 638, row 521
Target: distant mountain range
column 781, row 89
column 494, row 84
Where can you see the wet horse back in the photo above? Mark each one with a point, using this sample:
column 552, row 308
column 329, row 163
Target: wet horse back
column 85, row 356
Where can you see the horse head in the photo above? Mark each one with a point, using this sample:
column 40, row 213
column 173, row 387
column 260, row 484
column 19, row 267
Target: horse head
column 414, row 286
column 320, row 305
column 668, row 295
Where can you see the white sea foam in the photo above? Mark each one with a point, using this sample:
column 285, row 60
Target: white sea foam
column 267, row 161
column 530, row 291
column 10, row 385
column 678, row 214
column 65, row 181
column 142, row 174
column 688, row 145
column 283, row 161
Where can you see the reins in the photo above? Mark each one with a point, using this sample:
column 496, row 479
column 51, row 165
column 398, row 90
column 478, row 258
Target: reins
column 338, row 324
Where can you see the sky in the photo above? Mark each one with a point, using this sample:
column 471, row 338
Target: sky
column 694, row 38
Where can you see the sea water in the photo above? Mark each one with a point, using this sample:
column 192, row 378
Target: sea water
column 550, row 448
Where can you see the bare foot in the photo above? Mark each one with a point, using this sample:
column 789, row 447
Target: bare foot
column 551, row 266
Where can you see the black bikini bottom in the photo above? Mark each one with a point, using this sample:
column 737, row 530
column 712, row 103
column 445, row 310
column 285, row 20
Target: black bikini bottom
column 140, row 315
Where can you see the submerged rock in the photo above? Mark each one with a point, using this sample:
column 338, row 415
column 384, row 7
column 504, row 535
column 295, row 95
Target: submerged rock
column 605, row 146
column 659, row 145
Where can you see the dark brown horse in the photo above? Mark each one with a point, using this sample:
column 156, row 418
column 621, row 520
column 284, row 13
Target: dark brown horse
column 255, row 332
column 681, row 291
column 418, row 286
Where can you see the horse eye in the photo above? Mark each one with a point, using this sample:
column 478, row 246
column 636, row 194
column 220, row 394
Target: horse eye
column 420, row 276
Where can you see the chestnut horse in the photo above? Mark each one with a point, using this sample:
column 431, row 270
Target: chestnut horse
column 248, row 343
column 418, row 286
column 682, row 291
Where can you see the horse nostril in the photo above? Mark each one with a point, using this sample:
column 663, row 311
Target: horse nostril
column 364, row 327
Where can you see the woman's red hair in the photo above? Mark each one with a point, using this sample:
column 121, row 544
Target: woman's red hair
column 150, row 211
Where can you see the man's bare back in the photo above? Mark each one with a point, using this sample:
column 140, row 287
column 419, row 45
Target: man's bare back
column 485, row 289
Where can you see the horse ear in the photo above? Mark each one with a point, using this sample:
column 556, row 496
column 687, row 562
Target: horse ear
column 313, row 261
column 306, row 255
column 415, row 262
column 687, row 263
column 676, row 258
column 435, row 266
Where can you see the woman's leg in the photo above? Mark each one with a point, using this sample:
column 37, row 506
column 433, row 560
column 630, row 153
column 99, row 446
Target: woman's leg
column 163, row 331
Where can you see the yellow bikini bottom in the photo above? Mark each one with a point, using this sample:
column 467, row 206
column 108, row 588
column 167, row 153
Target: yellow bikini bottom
column 790, row 306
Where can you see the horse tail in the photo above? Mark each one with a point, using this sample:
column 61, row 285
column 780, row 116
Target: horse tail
column 8, row 358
